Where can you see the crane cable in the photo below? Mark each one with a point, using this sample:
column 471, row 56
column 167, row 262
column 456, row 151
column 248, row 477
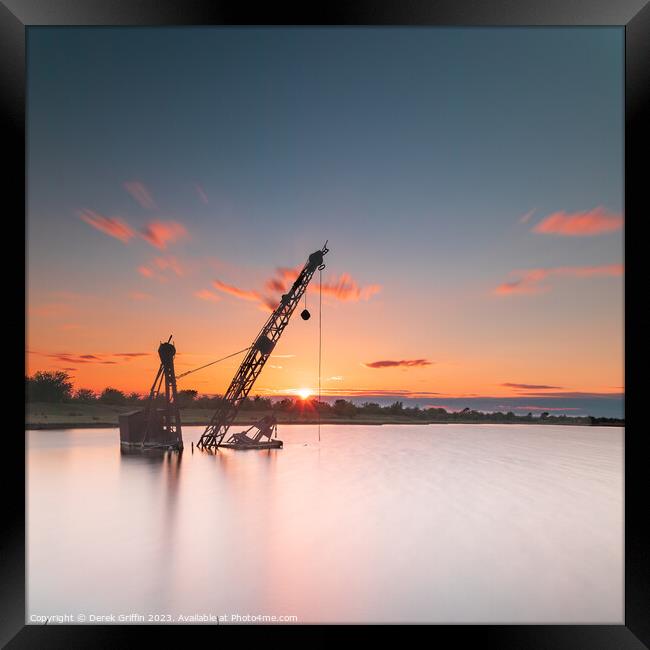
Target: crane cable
column 234, row 354
column 320, row 339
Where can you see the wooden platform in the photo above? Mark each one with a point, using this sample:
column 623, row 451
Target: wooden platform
column 273, row 444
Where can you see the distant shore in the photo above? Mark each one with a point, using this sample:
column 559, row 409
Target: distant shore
column 41, row 416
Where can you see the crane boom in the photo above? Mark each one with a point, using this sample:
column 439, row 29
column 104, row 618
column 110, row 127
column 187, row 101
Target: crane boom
column 258, row 353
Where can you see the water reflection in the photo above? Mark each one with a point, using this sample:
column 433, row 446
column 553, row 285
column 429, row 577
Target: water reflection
column 148, row 454
column 423, row 524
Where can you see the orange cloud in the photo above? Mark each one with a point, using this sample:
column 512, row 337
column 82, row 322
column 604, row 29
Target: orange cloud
column 146, row 271
column 206, row 294
column 170, row 263
column 159, row 266
column 531, row 386
column 580, row 224
column 141, row 194
column 591, row 271
column 244, row 294
column 83, row 358
column 577, row 394
column 269, row 303
column 529, row 281
column 265, row 303
column 408, row 363
column 92, row 358
column 343, row 288
column 157, row 233
column 346, row 289
column 283, row 279
column 162, row 233
column 112, row 226
column 273, row 284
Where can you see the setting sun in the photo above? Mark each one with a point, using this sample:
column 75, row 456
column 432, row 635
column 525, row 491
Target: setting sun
column 304, row 393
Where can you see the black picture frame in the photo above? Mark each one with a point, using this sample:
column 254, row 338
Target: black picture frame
column 633, row 15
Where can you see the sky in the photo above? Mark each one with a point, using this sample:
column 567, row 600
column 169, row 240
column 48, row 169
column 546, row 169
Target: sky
column 469, row 181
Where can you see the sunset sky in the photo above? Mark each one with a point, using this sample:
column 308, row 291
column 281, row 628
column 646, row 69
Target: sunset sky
column 469, row 181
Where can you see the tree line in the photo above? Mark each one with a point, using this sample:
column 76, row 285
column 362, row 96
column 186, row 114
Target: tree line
column 57, row 387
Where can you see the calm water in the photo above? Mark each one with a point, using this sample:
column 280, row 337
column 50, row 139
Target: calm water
column 437, row 523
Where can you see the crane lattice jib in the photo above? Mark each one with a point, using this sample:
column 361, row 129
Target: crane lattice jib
column 259, row 352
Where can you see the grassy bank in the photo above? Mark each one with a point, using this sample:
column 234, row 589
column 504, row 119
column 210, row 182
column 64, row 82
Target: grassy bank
column 75, row 415
column 58, row 416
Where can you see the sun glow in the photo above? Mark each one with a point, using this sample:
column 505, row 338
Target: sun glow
column 304, row 393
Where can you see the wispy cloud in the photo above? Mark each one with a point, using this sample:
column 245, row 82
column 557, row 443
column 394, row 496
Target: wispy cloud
column 162, row 233
column 83, row 358
column 531, row 386
column 343, row 288
column 530, row 281
column 141, row 194
column 525, row 218
column 580, row 224
column 544, row 408
column 159, row 234
column 112, row 226
column 346, row 289
column 201, row 192
column 99, row 358
column 170, row 263
column 406, row 363
column 207, row 295
column 238, row 292
column 282, row 279
column 572, row 394
column 146, row 271
column 526, row 283
column 160, row 268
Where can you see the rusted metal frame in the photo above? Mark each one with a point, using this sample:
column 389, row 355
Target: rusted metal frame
column 151, row 406
column 172, row 413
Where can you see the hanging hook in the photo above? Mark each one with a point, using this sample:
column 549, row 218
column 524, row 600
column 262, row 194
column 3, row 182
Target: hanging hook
column 304, row 314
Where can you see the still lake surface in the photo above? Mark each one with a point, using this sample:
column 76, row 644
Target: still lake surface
column 409, row 523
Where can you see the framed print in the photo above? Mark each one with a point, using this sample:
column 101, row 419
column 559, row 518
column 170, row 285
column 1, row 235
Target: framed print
column 328, row 320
